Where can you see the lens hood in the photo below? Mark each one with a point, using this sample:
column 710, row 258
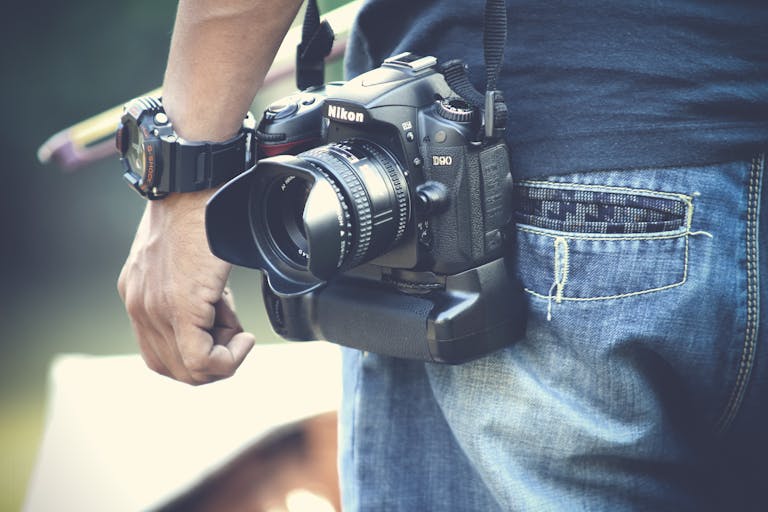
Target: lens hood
column 262, row 220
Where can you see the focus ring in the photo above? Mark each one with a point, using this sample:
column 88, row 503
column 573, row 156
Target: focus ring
column 346, row 235
column 357, row 195
column 398, row 184
column 362, row 208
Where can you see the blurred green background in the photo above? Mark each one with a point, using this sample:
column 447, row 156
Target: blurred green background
column 65, row 236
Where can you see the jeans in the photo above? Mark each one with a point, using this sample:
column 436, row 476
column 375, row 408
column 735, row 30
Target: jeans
column 641, row 383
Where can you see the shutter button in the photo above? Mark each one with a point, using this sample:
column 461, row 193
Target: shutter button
column 281, row 110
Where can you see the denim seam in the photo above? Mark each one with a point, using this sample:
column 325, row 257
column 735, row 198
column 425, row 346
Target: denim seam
column 753, row 299
column 603, row 238
column 623, row 295
column 685, row 232
column 605, row 188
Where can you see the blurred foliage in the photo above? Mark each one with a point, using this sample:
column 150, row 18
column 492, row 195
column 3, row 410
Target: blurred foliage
column 65, row 236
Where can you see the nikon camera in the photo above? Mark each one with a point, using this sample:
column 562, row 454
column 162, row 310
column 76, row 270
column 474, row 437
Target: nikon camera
column 386, row 228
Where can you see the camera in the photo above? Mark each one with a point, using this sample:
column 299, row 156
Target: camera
column 379, row 216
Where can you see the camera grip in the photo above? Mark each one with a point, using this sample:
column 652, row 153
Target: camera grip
column 477, row 312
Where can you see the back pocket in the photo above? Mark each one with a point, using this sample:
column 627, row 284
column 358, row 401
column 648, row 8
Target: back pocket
column 586, row 242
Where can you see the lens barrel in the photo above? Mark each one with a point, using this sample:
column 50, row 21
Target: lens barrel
column 326, row 210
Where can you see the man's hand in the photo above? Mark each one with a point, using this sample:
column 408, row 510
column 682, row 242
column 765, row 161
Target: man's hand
column 172, row 286
column 174, row 291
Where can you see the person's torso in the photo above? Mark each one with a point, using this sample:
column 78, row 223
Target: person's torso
column 600, row 84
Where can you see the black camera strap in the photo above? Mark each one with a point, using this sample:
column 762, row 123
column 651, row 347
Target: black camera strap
column 455, row 71
column 316, row 43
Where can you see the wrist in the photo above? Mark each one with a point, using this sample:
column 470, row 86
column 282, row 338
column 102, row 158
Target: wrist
column 189, row 206
column 179, row 220
column 202, row 120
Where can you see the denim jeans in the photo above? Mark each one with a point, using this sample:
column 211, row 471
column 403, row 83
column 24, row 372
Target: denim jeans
column 641, row 383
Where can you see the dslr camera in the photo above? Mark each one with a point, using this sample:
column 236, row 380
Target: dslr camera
column 378, row 214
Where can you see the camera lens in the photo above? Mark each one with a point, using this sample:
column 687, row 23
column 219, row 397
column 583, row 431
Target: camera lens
column 284, row 211
column 328, row 209
column 373, row 185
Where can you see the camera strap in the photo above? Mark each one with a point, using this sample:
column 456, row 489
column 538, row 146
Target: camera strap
column 455, row 72
column 316, row 43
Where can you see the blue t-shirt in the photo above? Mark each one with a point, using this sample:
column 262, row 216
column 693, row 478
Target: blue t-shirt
column 600, row 84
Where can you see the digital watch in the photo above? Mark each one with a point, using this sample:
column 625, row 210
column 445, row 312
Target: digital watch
column 156, row 161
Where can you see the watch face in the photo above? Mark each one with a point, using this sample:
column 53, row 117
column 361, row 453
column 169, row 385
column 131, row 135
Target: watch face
column 138, row 140
column 135, row 152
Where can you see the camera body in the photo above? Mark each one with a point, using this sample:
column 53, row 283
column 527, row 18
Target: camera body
column 389, row 237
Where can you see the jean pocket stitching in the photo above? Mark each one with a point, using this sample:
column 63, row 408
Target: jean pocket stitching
column 561, row 298
column 685, row 221
column 606, row 188
column 747, row 360
column 684, row 231
column 558, row 236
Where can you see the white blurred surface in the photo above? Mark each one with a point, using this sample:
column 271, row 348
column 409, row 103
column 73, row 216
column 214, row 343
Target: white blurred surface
column 121, row 438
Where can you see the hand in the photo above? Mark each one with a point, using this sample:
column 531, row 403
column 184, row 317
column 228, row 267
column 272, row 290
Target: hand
column 174, row 291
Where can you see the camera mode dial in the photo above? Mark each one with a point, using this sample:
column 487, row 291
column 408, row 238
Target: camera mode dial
column 455, row 109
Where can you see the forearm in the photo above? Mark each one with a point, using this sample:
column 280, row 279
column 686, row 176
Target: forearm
column 172, row 286
column 220, row 52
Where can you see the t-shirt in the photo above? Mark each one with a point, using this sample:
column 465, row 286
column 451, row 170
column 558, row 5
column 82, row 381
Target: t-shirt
column 600, row 84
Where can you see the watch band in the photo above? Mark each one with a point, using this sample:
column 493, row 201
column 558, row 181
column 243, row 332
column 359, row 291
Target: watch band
column 207, row 165
column 157, row 162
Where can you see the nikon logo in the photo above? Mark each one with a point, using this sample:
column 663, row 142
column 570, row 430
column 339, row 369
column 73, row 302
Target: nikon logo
column 341, row 114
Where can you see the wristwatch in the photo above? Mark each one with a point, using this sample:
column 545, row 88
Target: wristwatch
column 156, row 161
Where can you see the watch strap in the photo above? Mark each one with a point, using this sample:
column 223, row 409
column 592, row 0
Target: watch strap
column 199, row 166
column 172, row 164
